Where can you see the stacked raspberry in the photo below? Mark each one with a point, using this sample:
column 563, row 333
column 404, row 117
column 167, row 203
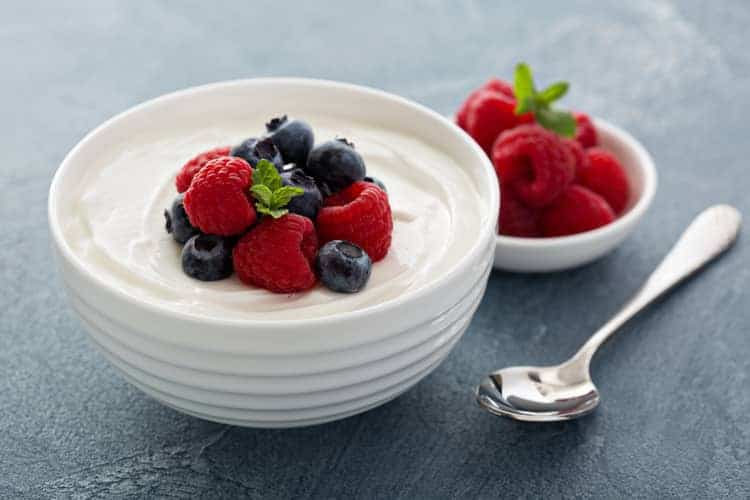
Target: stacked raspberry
column 281, row 213
column 554, row 179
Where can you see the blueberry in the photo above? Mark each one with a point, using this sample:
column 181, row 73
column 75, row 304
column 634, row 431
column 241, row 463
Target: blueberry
column 343, row 266
column 288, row 167
column 178, row 224
column 324, row 189
column 376, row 181
column 294, row 139
column 275, row 123
column 336, row 163
column 310, row 201
column 207, row 257
column 253, row 150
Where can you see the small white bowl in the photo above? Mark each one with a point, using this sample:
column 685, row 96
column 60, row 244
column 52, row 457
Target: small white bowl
column 541, row 255
column 281, row 373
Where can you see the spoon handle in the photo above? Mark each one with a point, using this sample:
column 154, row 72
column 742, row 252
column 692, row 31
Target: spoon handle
column 710, row 234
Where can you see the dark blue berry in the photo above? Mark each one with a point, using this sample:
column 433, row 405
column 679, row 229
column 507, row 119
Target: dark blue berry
column 324, row 189
column 336, row 163
column 253, row 150
column 293, row 138
column 343, row 266
column 308, row 203
column 376, row 181
column 177, row 222
column 207, row 257
column 275, row 123
column 288, row 167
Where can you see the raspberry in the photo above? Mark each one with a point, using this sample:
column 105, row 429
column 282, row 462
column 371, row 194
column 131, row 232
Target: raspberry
column 577, row 210
column 493, row 85
column 497, row 85
column 585, row 131
column 605, row 176
column 359, row 214
column 534, row 162
column 490, row 114
column 217, row 201
column 189, row 169
column 516, row 219
column 579, row 156
column 278, row 254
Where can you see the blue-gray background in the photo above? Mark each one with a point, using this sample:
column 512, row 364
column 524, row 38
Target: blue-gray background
column 675, row 421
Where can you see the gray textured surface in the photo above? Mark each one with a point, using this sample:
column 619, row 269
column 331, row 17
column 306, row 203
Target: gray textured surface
column 676, row 415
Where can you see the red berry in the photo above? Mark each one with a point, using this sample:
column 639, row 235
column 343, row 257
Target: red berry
column 585, row 131
column 189, row 169
column 516, row 219
column 526, row 118
column 359, row 214
column 605, row 176
column 278, row 254
column 501, row 86
column 534, row 162
column 218, row 199
column 488, row 116
column 493, row 85
column 577, row 210
column 580, row 159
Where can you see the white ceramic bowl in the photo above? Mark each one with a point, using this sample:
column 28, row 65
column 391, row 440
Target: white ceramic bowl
column 289, row 372
column 537, row 255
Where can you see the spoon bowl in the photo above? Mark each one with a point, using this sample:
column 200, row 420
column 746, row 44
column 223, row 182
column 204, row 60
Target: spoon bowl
column 538, row 393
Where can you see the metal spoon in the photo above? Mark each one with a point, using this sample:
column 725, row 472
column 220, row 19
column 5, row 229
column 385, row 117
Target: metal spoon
column 565, row 391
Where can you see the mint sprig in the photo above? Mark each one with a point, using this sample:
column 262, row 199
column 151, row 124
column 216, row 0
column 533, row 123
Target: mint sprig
column 529, row 100
column 270, row 196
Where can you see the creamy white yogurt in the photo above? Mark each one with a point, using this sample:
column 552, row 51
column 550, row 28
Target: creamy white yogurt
column 116, row 222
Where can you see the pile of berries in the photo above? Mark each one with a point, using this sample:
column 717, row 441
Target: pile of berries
column 554, row 179
column 281, row 212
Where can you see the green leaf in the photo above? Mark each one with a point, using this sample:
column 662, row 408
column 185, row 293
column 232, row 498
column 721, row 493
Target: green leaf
column 528, row 100
column 273, row 212
column 283, row 195
column 526, row 105
column 266, row 174
column 262, row 193
column 267, row 189
column 561, row 122
column 523, row 82
column 553, row 92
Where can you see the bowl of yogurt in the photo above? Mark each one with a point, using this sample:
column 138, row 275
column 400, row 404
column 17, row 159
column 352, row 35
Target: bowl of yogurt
column 231, row 353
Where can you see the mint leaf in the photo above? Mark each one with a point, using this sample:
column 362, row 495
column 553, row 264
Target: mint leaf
column 283, row 195
column 266, row 174
column 525, row 105
column 561, row 122
column 273, row 212
column 523, row 82
column 267, row 189
column 262, row 193
column 553, row 92
column 528, row 100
